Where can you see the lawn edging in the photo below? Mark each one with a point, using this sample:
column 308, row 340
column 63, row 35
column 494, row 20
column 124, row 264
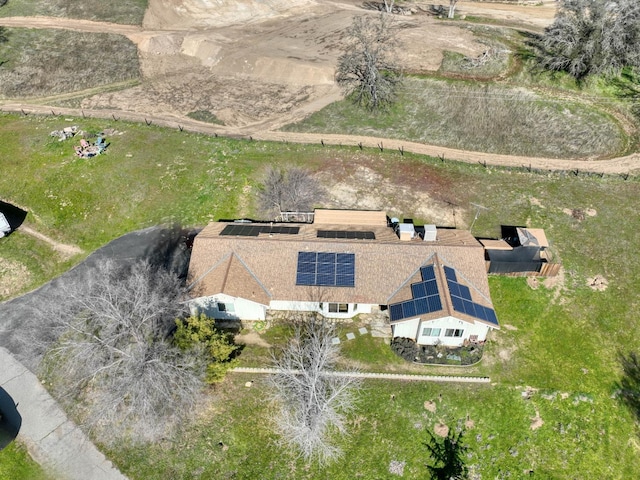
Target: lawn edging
column 386, row 376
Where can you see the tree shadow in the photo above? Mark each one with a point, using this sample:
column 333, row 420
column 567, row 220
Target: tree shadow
column 629, row 385
column 447, row 462
column 10, row 419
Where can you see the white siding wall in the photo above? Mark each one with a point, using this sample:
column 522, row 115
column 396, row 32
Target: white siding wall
column 406, row 329
column 445, row 323
column 415, row 329
column 236, row 308
column 323, row 308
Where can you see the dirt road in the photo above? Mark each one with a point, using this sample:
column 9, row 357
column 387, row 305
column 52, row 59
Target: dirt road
column 265, row 128
column 621, row 165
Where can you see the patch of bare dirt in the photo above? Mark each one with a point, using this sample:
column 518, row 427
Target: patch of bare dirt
column 509, row 327
column 536, row 422
column 66, row 251
column 598, row 283
column 251, row 338
column 505, row 354
column 533, row 282
column 431, row 406
column 367, row 189
column 441, row 429
column 469, row 424
column 535, row 202
column 13, row 277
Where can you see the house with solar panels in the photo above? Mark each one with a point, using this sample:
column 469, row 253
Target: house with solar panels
column 430, row 282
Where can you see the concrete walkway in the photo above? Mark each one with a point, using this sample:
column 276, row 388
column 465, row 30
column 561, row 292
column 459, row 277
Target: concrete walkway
column 386, row 376
column 53, row 440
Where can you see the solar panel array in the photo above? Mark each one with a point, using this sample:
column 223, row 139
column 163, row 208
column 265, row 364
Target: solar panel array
column 326, row 269
column 348, row 234
column 461, row 299
column 426, row 297
column 244, row 230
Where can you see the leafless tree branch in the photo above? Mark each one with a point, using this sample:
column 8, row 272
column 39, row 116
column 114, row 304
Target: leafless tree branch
column 288, row 189
column 592, row 37
column 313, row 402
column 367, row 70
column 109, row 356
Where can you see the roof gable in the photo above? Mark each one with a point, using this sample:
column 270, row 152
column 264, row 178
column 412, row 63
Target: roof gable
column 441, row 291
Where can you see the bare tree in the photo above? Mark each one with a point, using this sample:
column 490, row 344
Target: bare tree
column 110, row 356
column 592, row 37
column 288, row 189
column 367, row 70
column 312, row 397
column 452, row 8
column 388, row 5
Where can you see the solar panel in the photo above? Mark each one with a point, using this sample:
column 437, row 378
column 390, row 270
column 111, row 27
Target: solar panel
column 409, row 309
column 348, row 234
column 422, row 306
column 450, row 273
column 426, row 297
column 431, row 287
column 344, row 281
column 325, row 257
column 428, row 273
column 307, row 257
column 348, row 258
column 395, row 311
column 462, row 302
column 464, row 292
column 345, row 269
column 469, row 308
column 305, row 278
column 326, row 269
column 418, row 290
column 243, row 230
column 458, row 304
column 435, row 303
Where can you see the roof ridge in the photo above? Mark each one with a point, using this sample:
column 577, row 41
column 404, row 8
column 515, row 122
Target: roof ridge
column 255, row 277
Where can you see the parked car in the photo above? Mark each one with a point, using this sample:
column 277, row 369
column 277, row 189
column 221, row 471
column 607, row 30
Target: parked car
column 5, row 228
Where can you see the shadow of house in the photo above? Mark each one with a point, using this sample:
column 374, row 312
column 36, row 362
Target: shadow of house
column 10, row 419
column 520, row 251
column 14, row 216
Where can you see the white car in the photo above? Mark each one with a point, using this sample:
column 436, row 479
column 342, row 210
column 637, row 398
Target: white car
column 5, row 228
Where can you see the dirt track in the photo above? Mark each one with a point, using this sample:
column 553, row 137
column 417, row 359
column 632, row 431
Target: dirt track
column 160, row 42
column 621, row 165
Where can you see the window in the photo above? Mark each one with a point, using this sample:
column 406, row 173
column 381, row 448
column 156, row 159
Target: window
column 226, row 307
column 453, row 332
column 431, row 332
column 338, row 307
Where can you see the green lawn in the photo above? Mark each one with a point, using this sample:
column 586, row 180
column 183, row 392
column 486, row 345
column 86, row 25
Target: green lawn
column 564, row 342
column 233, row 438
column 16, row 464
column 122, row 11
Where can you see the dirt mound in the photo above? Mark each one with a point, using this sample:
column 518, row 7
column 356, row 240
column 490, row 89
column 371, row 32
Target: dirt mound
column 190, row 14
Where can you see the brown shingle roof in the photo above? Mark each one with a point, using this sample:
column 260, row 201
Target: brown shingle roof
column 384, row 267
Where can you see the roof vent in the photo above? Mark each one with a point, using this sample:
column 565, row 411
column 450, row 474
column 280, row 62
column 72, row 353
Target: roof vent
column 430, row 233
column 406, row 231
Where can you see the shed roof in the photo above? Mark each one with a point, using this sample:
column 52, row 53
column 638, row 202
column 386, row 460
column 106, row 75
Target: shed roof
column 350, row 217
